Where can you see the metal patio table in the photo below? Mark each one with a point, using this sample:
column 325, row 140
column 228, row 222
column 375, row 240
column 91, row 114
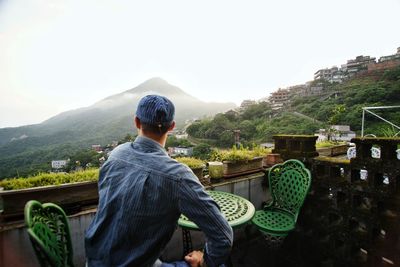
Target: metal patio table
column 237, row 211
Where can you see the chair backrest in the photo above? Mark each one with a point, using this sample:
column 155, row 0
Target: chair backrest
column 289, row 183
column 49, row 233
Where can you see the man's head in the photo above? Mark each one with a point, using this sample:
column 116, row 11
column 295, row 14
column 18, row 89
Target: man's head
column 155, row 115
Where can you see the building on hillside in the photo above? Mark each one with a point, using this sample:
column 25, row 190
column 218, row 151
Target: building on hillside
column 246, row 103
column 384, row 65
column 102, row 160
column 114, row 144
column 97, row 148
column 336, row 133
column 390, row 57
column 386, row 62
column 313, row 88
column 331, row 75
column 59, row 164
column 297, row 90
column 359, row 64
column 182, row 136
column 279, row 99
column 337, row 77
column 267, row 145
column 180, row 151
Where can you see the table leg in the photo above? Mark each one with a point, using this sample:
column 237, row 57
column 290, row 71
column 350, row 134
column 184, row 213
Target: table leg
column 187, row 242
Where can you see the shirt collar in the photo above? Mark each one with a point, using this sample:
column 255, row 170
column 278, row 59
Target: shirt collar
column 148, row 142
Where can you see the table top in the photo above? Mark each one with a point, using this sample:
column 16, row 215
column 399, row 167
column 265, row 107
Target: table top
column 237, row 210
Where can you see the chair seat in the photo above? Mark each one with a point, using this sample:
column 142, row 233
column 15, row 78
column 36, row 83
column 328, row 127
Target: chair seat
column 274, row 221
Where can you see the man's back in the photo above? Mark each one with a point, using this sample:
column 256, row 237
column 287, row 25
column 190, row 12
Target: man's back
column 142, row 192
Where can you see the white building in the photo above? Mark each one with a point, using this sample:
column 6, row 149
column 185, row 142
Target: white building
column 180, row 151
column 337, row 133
column 59, row 164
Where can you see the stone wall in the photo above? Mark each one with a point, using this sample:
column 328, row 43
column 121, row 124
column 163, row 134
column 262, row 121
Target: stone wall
column 350, row 219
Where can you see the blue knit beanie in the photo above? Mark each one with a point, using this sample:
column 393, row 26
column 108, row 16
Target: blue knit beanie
column 155, row 110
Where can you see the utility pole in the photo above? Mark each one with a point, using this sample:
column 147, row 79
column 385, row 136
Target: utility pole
column 237, row 138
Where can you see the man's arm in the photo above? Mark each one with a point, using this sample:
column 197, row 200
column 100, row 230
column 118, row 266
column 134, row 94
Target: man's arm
column 200, row 208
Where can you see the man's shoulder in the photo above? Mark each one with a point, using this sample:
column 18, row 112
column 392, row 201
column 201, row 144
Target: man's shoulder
column 173, row 167
column 123, row 147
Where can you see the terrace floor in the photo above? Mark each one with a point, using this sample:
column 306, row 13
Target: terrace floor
column 250, row 249
column 257, row 252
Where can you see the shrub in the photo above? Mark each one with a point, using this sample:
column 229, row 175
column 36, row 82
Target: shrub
column 44, row 179
column 322, row 144
column 235, row 154
column 192, row 163
column 259, row 151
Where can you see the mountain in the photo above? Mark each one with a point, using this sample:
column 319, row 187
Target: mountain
column 109, row 119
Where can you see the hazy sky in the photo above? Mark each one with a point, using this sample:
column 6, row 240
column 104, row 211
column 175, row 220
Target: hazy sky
column 58, row 55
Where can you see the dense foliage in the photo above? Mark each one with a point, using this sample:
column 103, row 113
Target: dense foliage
column 256, row 124
column 32, row 158
column 44, row 179
column 202, row 151
column 172, row 141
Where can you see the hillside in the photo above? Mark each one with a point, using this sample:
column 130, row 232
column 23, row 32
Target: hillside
column 26, row 149
column 379, row 89
column 340, row 104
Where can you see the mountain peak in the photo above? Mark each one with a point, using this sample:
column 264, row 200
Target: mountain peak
column 156, row 80
column 156, row 85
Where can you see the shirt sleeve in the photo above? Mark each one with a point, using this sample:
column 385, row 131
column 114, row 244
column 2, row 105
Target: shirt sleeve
column 200, row 208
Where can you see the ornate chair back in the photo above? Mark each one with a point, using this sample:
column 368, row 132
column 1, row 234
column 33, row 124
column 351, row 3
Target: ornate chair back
column 289, row 183
column 49, row 233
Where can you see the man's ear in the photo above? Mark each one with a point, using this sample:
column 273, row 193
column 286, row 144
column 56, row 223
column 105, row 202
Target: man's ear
column 137, row 123
column 172, row 126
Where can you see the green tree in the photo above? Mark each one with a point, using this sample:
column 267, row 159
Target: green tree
column 84, row 158
column 202, row 151
column 172, row 141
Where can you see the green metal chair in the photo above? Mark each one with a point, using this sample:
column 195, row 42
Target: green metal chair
column 49, row 233
column 289, row 183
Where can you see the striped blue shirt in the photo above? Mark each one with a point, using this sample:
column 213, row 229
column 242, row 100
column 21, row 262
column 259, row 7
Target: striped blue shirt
column 142, row 192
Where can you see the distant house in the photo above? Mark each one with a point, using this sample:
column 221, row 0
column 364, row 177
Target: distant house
column 182, row 136
column 267, row 145
column 59, row 164
column 386, row 62
column 97, row 148
column 331, row 75
column 279, row 98
column 246, row 103
column 357, row 65
column 297, row 90
column 337, row 133
column 180, row 151
column 114, row 144
column 102, row 160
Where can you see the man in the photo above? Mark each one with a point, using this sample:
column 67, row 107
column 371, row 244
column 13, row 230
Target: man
column 142, row 192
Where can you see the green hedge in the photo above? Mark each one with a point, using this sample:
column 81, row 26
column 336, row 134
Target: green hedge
column 44, row 179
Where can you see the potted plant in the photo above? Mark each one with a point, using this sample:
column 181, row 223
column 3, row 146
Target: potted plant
column 196, row 165
column 215, row 169
column 269, row 159
column 69, row 190
column 239, row 161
